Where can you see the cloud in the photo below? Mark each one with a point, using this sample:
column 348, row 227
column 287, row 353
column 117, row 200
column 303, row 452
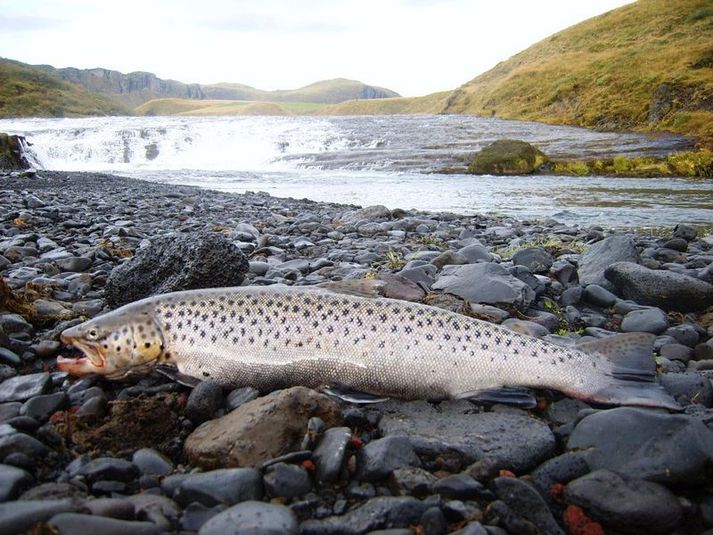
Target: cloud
column 24, row 23
column 267, row 24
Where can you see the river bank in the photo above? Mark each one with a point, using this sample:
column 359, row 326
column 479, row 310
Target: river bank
column 147, row 457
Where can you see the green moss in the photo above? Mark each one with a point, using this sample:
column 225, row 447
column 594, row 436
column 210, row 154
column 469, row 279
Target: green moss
column 507, row 157
column 571, row 168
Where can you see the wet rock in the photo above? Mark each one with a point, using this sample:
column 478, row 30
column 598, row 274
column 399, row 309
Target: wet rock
column 651, row 320
column 204, row 401
column 687, row 388
column 287, row 481
column 485, row 283
column 42, row 407
column 526, row 502
column 24, row 387
column 259, row 430
column 72, row 523
column 536, row 259
column 13, row 481
column 600, row 255
column 12, row 152
column 561, row 469
column 22, row 443
column 517, row 441
column 625, row 504
column 254, row 518
column 459, row 487
column 9, row 357
column 660, row 288
column 380, row 457
column 109, row 468
column 240, row 396
column 377, row 513
column 329, row 454
column 507, row 157
column 227, row 486
column 151, row 462
column 665, row 448
column 20, row 516
column 411, row 481
column 565, row 410
column 178, row 262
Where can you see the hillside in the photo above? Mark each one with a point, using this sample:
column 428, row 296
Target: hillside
column 26, row 91
column 177, row 106
column 433, row 103
column 647, row 65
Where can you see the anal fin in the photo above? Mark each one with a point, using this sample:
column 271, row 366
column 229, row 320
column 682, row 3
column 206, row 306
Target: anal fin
column 507, row 395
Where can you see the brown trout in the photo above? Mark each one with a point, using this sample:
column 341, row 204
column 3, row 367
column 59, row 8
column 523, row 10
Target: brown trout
column 276, row 337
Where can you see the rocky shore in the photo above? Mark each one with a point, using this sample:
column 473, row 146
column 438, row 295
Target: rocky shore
column 156, row 456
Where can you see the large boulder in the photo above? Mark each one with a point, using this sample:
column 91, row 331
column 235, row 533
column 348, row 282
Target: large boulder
column 177, row 262
column 599, row 256
column 12, row 152
column 486, row 283
column 660, row 288
column 507, row 157
column 259, row 430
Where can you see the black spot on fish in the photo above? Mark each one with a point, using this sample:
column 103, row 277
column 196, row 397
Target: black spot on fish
column 483, row 346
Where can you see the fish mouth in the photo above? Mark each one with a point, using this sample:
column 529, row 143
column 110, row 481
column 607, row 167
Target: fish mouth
column 90, row 360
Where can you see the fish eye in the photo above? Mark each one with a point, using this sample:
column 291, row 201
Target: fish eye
column 93, row 333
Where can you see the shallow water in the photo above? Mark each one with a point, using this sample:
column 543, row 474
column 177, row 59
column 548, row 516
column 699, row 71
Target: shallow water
column 391, row 160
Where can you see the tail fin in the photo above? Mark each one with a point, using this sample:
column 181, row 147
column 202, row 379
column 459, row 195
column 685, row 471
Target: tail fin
column 633, row 373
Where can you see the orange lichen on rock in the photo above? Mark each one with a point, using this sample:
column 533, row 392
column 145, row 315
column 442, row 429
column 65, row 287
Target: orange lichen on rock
column 578, row 523
column 506, row 473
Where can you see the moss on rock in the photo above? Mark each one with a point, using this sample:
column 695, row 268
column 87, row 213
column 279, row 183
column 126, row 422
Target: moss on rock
column 11, row 152
column 507, row 157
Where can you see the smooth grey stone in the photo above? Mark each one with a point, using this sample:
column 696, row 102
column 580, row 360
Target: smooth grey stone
column 660, row 447
column 571, row 296
column 485, row 283
column 433, row 522
column 473, row 528
column 22, row 443
column 9, row 357
column 73, row 523
column 74, row 264
column 687, row 388
column 600, row 255
column 228, row 486
column 240, row 396
column 513, row 439
column 103, row 468
column 368, row 213
column 151, row 462
column 21, row 516
column 599, row 296
column 476, row 252
column 111, row 507
column 360, row 490
column 377, row 513
column 252, row 518
column 13, row 480
column 411, row 481
column 94, row 407
column 8, row 411
column 526, row 502
column 288, row 481
column 196, row 515
column 561, row 469
column 448, row 258
column 89, row 308
column 664, row 289
column 330, row 453
column 488, row 313
column 676, row 352
column 652, row 320
column 565, row 410
column 47, row 348
column 42, row 407
column 204, row 401
column 54, row 491
column 625, row 504
column 246, row 232
column 677, row 244
column 259, row 268
column 422, row 275
column 536, row 259
column 528, row 328
column 380, row 457
column 459, row 487
column 686, row 232
column 23, row 387
column 685, row 334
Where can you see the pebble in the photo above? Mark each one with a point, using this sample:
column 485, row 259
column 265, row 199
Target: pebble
column 330, row 453
column 21, row 516
column 13, row 481
column 600, row 255
column 523, row 500
column 240, row 396
column 599, row 296
column 73, row 523
column 23, row 387
column 411, row 481
column 287, row 481
column 652, row 320
column 204, row 401
column 459, row 487
column 103, row 468
column 227, row 486
column 42, row 407
column 380, row 457
column 151, row 462
column 252, row 518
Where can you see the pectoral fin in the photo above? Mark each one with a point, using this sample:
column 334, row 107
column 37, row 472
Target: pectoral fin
column 352, row 396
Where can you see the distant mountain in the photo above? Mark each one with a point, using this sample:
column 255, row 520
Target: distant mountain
column 27, row 91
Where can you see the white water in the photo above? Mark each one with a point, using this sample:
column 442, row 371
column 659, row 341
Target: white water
column 368, row 160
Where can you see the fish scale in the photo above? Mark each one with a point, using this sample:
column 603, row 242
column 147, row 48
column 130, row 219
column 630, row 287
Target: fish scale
column 274, row 337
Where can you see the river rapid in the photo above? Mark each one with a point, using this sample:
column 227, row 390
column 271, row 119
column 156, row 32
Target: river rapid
column 398, row 161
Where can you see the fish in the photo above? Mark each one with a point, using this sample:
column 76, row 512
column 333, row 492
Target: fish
column 273, row 337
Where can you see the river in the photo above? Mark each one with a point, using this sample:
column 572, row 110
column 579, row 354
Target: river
column 397, row 161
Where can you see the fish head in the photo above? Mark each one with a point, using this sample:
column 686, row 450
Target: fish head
column 116, row 345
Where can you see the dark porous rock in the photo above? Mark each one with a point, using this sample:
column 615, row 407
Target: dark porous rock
column 240, row 396
column 151, row 462
column 650, row 320
column 516, row 440
column 227, row 486
column 625, row 504
column 259, row 430
column 24, row 387
column 252, row 518
column 203, row 402
column 378, row 513
column 287, row 481
column 109, row 468
column 599, row 296
column 536, row 259
column 13, row 481
column 21, row 516
column 12, row 152
column 526, row 502
column 600, row 255
column 664, row 289
column 73, row 523
column 561, row 469
column 380, row 457
column 485, row 283
column 689, row 387
column 665, row 448
column 329, row 454
column 42, row 407
column 411, row 481
column 459, row 487
column 177, row 262
column 507, row 157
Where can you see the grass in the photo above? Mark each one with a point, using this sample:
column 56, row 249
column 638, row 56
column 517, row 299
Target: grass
column 551, row 244
column 180, row 106
column 389, row 106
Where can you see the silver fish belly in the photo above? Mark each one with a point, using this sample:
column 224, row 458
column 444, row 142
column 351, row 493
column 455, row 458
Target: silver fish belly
column 274, row 337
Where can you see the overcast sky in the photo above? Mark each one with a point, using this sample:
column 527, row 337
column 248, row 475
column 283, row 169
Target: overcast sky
column 414, row 47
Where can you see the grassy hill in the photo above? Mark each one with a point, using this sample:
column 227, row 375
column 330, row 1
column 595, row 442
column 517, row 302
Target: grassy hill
column 26, row 91
column 433, row 103
column 647, row 65
column 179, row 106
